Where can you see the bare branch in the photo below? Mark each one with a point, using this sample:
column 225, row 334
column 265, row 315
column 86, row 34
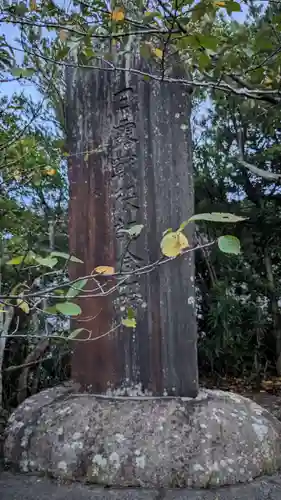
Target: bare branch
column 148, row 268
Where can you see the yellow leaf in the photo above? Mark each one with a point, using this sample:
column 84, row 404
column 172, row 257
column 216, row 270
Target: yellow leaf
column 267, row 81
column 86, row 157
column 23, row 305
column 106, row 270
column 158, row 53
column 51, row 171
column 220, row 4
column 118, row 15
column 63, row 35
column 173, row 243
column 17, row 175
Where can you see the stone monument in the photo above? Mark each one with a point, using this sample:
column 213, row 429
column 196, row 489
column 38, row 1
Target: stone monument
column 137, row 170
column 133, row 415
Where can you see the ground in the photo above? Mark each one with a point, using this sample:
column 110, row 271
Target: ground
column 16, row 487
column 268, row 395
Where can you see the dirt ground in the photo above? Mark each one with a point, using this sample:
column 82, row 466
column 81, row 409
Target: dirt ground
column 268, row 395
column 271, row 402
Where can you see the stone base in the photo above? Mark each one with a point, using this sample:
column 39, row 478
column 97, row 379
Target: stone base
column 217, row 439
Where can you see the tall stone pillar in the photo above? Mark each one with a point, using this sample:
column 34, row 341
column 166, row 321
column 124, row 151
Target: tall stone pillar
column 131, row 163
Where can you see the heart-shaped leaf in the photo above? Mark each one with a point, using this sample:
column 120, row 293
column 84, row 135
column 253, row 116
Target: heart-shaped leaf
column 173, row 243
column 68, row 309
column 229, row 244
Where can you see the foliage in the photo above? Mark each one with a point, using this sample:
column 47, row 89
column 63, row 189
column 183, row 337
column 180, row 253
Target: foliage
column 200, row 34
column 239, row 301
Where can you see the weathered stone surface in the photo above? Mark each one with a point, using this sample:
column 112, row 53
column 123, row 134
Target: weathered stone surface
column 137, row 170
column 18, row 487
column 219, row 438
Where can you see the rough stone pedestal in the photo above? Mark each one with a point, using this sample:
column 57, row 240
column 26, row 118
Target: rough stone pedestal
column 217, row 439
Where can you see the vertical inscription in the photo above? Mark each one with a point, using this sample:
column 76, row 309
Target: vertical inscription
column 126, row 199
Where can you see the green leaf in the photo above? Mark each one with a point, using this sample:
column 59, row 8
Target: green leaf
column 66, row 256
column 130, row 313
column 133, row 231
column 232, row 7
column 22, row 72
column 216, row 217
column 258, row 171
column 76, row 288
column 68, row 308
column 88, row 52
column 47, row 261
column 16, row 287
column 145, row 51
column 129, row 322
column 59, row 292
column 149, row 16
column 20, row 9
column 203, row 60
column 229, row 244
column 15, row 261
column 19, row 259
column 36, row 179
column 74, row 333
column 50, row 310
column 208, row 41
